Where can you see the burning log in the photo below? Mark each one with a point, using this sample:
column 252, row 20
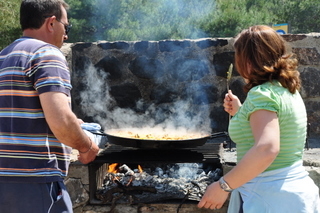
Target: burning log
column 184, row 181
column 127, row 169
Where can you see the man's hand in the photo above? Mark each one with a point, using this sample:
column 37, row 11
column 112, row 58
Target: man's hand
column 89, row 155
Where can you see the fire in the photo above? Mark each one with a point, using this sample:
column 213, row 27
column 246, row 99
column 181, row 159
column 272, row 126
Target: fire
column 113, row 168
column 116, row 167
column 116, row 170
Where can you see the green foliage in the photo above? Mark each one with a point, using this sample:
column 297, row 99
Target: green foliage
column 231, row 16
column 139, row 19
column 10, row 27
column 302, row 15
column 180, row 19
column 132, row 20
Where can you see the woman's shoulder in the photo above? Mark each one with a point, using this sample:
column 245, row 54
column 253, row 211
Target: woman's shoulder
column 268, row 86
column 272, row 89
column 267, row 94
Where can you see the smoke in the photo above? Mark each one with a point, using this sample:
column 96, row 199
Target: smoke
column 176, row 118
column 133, row 20
column 116, row 20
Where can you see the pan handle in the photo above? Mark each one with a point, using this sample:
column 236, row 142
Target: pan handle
column 219, row 134
column 98, row 133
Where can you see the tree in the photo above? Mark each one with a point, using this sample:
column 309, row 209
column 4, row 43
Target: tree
column 132, row 20
column 10, row 27
column 303, row 16
column 231, row 16
column 140, row 19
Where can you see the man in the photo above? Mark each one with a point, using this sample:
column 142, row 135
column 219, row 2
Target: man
column 37, row 126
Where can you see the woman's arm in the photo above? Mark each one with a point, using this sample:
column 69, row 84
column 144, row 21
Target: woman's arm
column 266, row 132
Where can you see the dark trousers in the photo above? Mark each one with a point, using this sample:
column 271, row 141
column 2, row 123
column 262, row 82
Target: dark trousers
column 241, row 207
column 34, row 197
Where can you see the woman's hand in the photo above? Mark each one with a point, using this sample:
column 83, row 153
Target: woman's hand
column 231, row 103
column 214, row 197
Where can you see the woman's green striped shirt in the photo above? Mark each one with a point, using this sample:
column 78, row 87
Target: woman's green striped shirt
column 292, row 117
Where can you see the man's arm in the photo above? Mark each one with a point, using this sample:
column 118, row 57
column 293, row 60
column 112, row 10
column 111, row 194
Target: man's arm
column 65, row 125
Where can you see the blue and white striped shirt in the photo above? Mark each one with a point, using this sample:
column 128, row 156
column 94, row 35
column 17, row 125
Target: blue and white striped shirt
column 29, row 151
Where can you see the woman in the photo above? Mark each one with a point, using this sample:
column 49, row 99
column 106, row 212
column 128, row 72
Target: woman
column 269, row 130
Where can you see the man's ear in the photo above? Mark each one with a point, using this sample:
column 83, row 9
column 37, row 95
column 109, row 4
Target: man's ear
column 49, row 23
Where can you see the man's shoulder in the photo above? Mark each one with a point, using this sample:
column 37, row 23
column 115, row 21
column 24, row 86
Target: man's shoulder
column 29, row 45
column 39, row 49
column 36, row 43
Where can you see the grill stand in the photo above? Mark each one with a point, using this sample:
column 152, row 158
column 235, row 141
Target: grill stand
column 207, row 154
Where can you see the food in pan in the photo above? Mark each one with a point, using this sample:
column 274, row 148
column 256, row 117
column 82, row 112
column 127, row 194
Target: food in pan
column 155, row 135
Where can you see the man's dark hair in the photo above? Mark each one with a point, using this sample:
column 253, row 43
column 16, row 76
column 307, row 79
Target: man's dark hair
column 34, row 12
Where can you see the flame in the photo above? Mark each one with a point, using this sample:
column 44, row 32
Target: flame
column 113, row 168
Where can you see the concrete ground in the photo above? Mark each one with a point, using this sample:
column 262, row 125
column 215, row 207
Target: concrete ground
column 311, row 154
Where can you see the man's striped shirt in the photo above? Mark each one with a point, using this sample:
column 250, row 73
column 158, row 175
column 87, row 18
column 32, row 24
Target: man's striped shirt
column 29, row 152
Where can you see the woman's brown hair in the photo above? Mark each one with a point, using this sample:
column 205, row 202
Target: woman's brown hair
column 261, row 56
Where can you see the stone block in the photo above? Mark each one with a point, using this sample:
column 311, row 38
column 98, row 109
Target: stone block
column 79, row 196
column 314, row 173
column 79, row 171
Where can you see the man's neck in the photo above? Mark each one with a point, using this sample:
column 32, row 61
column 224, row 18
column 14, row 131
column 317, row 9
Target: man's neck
column 37, row 34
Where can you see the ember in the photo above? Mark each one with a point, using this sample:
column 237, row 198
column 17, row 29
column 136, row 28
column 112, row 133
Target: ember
column 184, row 181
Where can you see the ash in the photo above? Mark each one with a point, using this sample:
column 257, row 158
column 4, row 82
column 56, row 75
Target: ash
column 182, row 181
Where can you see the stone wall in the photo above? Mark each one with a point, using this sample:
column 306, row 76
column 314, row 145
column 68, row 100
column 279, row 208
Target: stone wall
column 162, row 72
